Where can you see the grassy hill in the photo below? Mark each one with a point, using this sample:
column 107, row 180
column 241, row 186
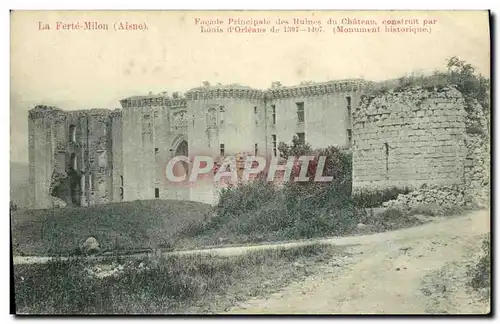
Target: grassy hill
column 117, row 226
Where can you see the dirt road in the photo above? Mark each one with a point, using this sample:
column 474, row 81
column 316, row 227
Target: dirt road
column 412, row 271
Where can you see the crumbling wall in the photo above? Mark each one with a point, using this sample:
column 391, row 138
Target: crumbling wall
column 70, row 157
column 433, row 195
column 409, row 138
column 100, row 156
column 117, row 158
column 42, row 154
column 477, row 163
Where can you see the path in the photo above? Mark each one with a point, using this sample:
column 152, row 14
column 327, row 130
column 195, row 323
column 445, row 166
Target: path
column 388, row 274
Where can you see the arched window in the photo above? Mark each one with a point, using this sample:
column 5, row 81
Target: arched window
column 73, row 161
column 72, row 133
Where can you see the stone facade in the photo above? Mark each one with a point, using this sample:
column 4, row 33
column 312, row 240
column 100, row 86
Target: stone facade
column 121, row 155
column 409, row 138
column 426, row 140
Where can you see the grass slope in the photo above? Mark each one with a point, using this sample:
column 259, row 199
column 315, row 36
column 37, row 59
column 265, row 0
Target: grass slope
column 186, row 284
column 116, row 226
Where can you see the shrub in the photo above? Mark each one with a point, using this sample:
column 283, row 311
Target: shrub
column 375, row 198
column 481, row 275
column 13, row 206
column 246, row 197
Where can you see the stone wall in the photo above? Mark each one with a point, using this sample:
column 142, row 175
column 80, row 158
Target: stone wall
column 440, row 142
column 153, row 127
column 477, row 163
column 408, row 139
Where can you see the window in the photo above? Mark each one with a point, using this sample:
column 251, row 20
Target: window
column 73, row 161
column 256, row 115
column 302, row 138
column 221, row 114
column 72, row 133
column 348, row 99
column 300, row 112
column 275, row 145
column 349, row 136
column 92, row 182
column 121, row 181
column 222, row 150
column 157, row 192
column 256, row 149
column 273, row 107
column 157, row 150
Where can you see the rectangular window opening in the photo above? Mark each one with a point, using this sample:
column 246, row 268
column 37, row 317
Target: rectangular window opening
column 157, row 192
column 302, row 138
column 300, row 112
column 222, row 150
column 275, row 145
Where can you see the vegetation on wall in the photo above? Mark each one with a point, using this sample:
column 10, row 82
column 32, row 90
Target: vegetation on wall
column 474, row 87
column 458, row 73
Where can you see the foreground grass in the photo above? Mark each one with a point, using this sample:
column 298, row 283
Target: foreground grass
column 261, row 226
column 197, row 283
column 117, row 226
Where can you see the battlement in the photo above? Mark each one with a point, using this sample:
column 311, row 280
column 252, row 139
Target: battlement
column 41, row 111
column 219, row 91
column 307, row 89
column 153, row 100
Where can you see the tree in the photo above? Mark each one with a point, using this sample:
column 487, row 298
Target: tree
column 471, row 84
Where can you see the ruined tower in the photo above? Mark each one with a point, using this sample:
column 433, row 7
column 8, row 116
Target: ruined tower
column 71, row 156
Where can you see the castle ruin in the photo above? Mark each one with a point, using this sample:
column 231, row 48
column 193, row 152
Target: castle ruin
column 408, row 138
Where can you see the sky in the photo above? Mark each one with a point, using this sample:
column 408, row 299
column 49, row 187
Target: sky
column 83, row 69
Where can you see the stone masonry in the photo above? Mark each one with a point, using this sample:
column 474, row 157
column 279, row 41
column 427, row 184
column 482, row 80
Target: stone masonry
column 425, row 140
column 408, row 138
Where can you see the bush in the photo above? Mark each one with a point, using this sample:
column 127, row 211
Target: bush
column 13, row 206
column 375, row 198
column 244, row 198
column 481, row 275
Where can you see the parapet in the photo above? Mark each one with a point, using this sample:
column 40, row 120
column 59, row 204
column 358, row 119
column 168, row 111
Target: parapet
column 154, row 100
column 237, row 91
column 307, row 89
column 41, row 111
column 219, row 91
